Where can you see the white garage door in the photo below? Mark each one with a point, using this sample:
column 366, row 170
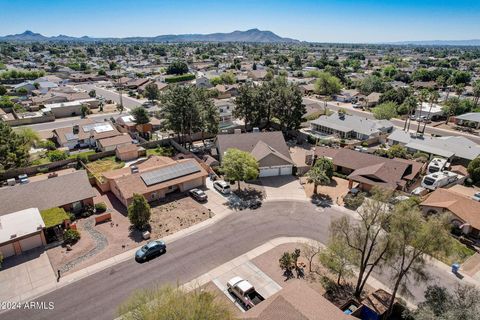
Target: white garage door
column 7, row 250
column 269, row 172
column 286, row 171
column 31, row 242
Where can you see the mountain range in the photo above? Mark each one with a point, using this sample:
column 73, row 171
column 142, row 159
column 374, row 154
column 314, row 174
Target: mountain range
column 472, row 42
column 252, row 35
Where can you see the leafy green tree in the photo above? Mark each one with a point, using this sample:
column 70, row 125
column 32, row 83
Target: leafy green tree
column 177, row 67
column 287, row 104
column 473, row 170
column 319, row 174
column 184, row 106
column 174, row 303
column 13, row 148
column 3, row 90
column 371, row 84
column 112, row 65
column 413, row 238
column 84, row 110
column 22, row 91
column 386, row 110
column 328, row 85
column 441, row 304
column 140, row 115
column 369, row 243
column 151, row 91
column 246, row 105
column 57, row 155
column 228, row 78
column 389, row 72
column 92, row 93
column 239, row 166
column 326, row 165
column 139, row 211
column 337, row 259
column 29, row 135
column 397, row 151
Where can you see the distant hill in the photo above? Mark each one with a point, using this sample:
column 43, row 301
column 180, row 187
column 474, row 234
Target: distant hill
column 252, row 35
column 473, row 42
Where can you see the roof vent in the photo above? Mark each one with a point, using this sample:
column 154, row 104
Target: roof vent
column 134, row 169
column 13, row 236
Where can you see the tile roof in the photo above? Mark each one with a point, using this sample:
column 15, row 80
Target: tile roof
column 129, row 183
column 113, row 141
column 371, row 169
column 463, row 207
column 46, row 194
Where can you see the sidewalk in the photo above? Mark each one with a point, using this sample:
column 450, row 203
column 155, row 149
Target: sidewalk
column 53, row 285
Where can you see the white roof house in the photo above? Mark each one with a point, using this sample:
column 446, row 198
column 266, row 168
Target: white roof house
column 20, row 224
column 448, row 147
column 49, row 107
column 424, row 108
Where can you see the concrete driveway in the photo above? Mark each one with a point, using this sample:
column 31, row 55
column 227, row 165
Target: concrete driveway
column 264, row 285
column 21, row 275
column 283, row 188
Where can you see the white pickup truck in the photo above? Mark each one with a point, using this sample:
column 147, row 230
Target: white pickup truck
column 244, row 292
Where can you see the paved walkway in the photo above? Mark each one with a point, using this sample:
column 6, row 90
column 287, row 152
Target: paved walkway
column 22, row 274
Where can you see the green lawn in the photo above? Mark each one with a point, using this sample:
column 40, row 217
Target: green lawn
column 103, row 165
column 161, row 151
column 54, row 216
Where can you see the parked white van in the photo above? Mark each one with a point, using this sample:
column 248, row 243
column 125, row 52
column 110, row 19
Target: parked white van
column 222, row 187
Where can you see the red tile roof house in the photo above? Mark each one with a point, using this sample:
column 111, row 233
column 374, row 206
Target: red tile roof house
column 268, row 148
column 465, row 212
column 154, row 178
column 369, row 170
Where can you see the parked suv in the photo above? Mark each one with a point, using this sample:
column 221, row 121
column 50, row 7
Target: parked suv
column 222, row 187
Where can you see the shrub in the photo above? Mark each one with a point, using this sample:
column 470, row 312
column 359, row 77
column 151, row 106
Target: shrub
column 71, row 236
column 83, row 158
column 364, row 144
column 180, row 78
column 100, row 207
column 353, row 202
column 72, row 216
column 57, row 155
column 47, row 144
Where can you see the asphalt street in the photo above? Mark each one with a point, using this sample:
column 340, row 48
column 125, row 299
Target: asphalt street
column 98, row 296
column 400, row 123
column 68, row 122
column 128, row 102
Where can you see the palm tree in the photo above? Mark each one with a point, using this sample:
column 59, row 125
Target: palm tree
column 432, row 98
column 423, row 97
column 411, row 104
column 450, row 83
column 317, row 176
column 476, row 91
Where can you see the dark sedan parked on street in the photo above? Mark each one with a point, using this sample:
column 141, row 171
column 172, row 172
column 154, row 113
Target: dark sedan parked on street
column 150, row 250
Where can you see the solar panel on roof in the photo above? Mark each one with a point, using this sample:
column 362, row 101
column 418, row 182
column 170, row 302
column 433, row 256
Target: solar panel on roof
column 172, row 172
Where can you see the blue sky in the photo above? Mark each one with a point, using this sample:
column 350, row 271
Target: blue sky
column 321, row 20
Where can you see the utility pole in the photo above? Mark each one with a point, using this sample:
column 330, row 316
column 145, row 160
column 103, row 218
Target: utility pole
column 120, row 90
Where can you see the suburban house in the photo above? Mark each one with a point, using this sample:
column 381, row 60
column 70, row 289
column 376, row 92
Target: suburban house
column 203, row 82
column 127, row 152
column 85, row 134
column 296, row 300
column 429, row 111
column 225, row 110
column 70, row 191
column 471, row 119
column 368, row 170
column 372, row 99
column 21, row 231
column 226, row 91
column 465, row 211
column 154, row 178
column 70, row 108
column 449, row 147
column 349, row 95
column 348, row 126
column 109, row 144
column 269, row 148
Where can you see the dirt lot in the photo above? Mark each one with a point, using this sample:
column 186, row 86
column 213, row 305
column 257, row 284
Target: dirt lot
column 179, row 213
column 103, row 241
column 336, row 190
